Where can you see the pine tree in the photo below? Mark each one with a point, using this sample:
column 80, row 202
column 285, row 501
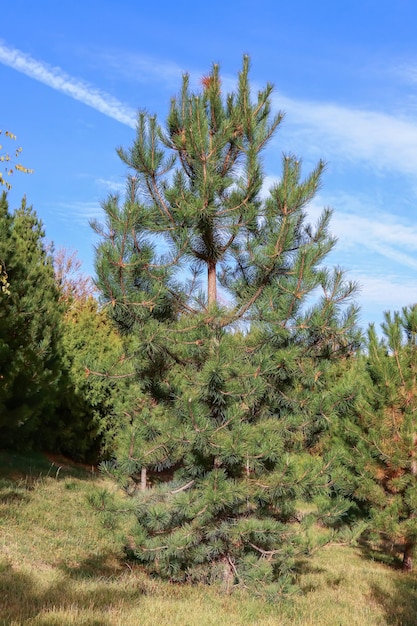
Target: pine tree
column 380, row 438
column 29, row 328
column 231, row 323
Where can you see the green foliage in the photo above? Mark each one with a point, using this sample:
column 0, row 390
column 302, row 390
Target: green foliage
column 56, row 348
column 232, row 326
column 91, row 398
column 380, row 438
column 29, row 329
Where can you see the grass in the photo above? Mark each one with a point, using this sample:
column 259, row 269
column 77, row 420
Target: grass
column 62, row 563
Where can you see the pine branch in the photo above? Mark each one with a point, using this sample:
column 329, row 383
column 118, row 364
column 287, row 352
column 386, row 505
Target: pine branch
column 183, row 488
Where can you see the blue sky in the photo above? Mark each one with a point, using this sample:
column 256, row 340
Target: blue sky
column 73, row 76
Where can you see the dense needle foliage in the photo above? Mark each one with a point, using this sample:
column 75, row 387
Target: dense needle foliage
column 91, row 400
column 231, row 323
column 379, row 437
column 30, row 332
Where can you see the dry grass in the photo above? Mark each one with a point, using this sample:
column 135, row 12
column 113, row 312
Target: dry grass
column 62, row 563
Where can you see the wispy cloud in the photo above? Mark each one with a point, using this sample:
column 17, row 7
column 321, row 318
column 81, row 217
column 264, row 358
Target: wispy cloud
column 407, row 72
column 79, row 212
column 384, row 141
column 390, row 292
column 57, row 79
column 358, row 223
column 374, row 232
column 142, row 68
column 381, row 140
column 111, row 185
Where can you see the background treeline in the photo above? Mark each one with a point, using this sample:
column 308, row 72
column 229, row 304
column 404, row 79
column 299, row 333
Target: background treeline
column 52, row 330
column 219, row 368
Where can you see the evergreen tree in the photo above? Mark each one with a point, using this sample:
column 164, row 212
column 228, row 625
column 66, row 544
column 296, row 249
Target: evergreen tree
column 29, row 328
column 380, row 438
column 231, row 323
column 92, row 395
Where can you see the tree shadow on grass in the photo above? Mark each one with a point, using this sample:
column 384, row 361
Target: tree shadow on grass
column 30, row 468
column 12, row 496
column 384, row 553
column 95, row 566
column 88, row 603
column 400, row 601
column 400, row 604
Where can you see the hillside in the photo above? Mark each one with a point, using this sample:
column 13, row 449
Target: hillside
column 62, row 563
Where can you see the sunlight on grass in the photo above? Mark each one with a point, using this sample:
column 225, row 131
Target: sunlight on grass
column 61, row 563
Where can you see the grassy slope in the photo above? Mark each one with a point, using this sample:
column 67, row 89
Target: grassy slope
column 61, row 563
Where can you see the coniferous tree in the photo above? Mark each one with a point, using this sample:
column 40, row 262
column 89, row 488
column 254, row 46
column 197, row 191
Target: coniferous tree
column 90, row 409
column 380, row 436
column 90, row 398
column 29, row 328
column 231, row 321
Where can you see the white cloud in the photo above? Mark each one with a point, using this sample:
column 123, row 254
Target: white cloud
column 378, row 250
column 373, row 232
column 389, row 292
column 57, row 79
column 357, row 220
column 111, row 185
column 407, row 72
column 79, row 212
column 142, row 68
column 385, row 141
column 358, row 223
column 382, row 140
column 268, row 182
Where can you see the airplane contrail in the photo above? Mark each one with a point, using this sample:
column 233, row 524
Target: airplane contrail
column 57, row 79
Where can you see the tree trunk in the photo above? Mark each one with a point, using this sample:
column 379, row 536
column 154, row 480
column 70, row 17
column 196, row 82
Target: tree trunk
column 407, row 565
column 211, row 283
column 143, row 479
column 228, row 575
